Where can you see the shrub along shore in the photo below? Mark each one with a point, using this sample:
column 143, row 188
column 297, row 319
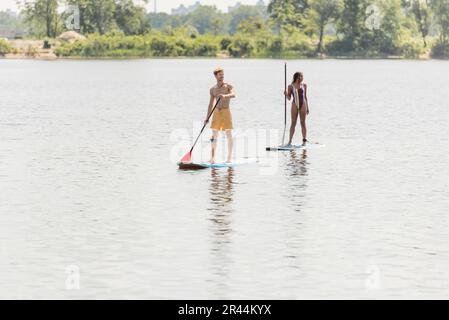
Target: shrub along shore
column 407, row 29
column 183, row 43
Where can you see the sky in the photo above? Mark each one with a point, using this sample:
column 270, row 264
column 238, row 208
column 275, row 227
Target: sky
column 163, row 5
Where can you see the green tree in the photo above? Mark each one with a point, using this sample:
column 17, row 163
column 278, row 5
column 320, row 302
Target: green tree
column 159, row 20
column 131, row 19
column 206, row 19
column 252, row 26
column 11, row 21
column 321, row 13
column 352, row 22
column 241, row 46
column 440, row 10
column 422, row 15
column 96, row 15
column 43, row 14
column 388, row 36
column 286, row 14
column 242, row 13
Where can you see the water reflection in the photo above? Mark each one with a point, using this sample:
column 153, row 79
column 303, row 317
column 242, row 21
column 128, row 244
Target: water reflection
column 221, row 190
column 221, row 200
column 296, row 173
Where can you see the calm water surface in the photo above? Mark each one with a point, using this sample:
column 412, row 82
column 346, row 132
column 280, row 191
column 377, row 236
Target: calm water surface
column 89, row 189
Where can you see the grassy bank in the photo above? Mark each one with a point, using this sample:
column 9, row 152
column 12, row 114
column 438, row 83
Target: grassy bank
column 5, row 47
column 184, row 43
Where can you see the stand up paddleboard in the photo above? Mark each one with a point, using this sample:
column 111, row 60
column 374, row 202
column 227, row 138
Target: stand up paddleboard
column 297, row 147
column 207, row 165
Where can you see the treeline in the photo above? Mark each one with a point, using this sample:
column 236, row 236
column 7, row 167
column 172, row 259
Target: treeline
column 48, row 17
column 285, row 28
column 208, row 19
column 367, row 27
column 103, row 16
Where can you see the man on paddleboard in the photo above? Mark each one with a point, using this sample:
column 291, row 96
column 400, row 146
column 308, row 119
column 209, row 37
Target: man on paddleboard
column 222, row 119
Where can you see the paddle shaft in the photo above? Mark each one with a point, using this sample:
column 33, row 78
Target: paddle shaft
column 285, row 112
column 205, row 124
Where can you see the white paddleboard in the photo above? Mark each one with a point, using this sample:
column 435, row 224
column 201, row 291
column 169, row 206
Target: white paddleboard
column 297, row 147
column 206, row 165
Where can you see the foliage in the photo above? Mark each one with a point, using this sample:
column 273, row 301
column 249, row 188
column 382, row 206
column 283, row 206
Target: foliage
column 441, row 12
column 422, row 15
column 42, row 16
column 440, row 50
column 243, row 13
column 321, row 14
column 206, row 18
column 11, row 21
column 96, row 15
column 155, row 44
column 287, row 14
column 130, row 18
column 285, row 28
column 4, row 47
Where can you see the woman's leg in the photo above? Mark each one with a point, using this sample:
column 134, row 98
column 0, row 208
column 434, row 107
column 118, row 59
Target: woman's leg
column 303, row 117
column 294, row 122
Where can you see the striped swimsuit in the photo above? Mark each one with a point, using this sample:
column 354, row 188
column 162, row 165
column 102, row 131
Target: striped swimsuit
column 298, row 96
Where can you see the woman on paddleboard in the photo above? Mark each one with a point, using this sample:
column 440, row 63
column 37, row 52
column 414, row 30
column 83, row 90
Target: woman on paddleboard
column 300, row 106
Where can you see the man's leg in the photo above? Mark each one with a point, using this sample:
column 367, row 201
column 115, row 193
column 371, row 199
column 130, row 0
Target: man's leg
column 230, row 144
column 214, row 141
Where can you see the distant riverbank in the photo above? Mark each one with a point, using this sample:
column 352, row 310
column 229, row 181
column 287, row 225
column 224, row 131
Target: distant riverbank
column 204, row 46
column 27, row 49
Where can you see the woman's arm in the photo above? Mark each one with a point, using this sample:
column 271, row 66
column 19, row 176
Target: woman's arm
column 289, row 92
column 305, row 96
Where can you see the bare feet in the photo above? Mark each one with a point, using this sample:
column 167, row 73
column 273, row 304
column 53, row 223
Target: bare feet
column 212, row 161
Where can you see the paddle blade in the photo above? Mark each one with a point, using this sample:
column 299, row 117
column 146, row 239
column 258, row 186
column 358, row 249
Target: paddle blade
column 187, row 158
column 191, row 166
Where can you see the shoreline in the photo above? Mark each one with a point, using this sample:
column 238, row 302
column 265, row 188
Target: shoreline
column 53, row 57
column 33, row 49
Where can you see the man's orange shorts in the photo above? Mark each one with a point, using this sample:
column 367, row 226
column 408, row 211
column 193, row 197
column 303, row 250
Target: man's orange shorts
column 222, row 120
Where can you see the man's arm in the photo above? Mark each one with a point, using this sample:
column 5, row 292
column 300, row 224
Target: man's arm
column 231, row 93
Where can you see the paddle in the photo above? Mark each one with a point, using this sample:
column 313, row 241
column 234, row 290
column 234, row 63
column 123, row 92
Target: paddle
column 188, row 157
column 285, row 114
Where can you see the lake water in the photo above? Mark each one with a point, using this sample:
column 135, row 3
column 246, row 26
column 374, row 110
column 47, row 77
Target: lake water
column 92, row 204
